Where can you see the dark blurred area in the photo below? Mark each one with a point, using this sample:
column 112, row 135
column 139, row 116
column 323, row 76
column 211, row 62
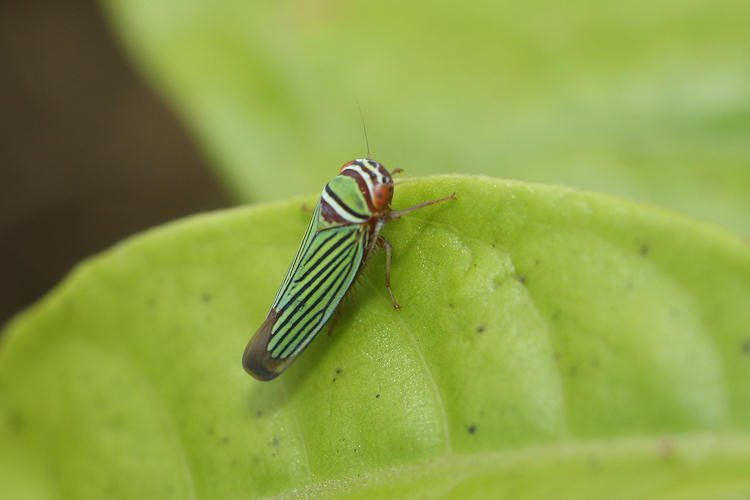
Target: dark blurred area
column 88, row 153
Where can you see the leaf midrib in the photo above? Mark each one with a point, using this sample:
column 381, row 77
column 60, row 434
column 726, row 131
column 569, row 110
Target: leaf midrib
column 687, row 447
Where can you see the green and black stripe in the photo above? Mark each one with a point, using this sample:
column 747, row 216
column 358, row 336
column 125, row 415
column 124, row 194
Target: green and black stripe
column 315, row 287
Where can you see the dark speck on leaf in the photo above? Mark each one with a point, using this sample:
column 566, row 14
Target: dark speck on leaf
column 338, row 370
column 334, row 379
column 522, row 278
column 746, row 347
column 472, row 429
column 377, row 396
column 450, row 304
column 225, row 439
column 480, row 328
column 259, row 413
column 206, row 297
column 275, row 442
column 644, row 250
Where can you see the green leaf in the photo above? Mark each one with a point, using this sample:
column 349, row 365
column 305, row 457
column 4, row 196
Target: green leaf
column 649, row 101
column 552, row 343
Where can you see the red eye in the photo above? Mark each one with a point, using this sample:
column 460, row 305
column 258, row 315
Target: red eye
column 382, row 196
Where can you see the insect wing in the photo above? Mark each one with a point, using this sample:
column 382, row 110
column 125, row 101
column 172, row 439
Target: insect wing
column 316, row 288
column 321, row 273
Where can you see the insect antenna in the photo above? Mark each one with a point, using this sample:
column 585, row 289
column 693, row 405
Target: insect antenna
column 364, row 129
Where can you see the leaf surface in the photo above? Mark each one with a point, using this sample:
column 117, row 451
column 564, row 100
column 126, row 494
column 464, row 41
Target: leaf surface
column 552, row 341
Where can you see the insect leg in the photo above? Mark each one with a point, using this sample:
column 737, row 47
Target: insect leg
column 401, row 213
column 382, row 242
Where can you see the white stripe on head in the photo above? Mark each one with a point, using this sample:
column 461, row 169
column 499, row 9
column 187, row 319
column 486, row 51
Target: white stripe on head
column 366, row 176
column 375, row 168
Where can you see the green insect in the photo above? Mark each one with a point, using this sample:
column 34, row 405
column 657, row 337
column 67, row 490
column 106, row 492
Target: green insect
column 343, row 233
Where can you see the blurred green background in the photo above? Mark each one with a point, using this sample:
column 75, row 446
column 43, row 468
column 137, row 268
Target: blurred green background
column 647, row 100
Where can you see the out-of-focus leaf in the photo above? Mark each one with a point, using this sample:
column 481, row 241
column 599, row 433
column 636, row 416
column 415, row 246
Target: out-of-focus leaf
column 552, row 343
column 648, row 100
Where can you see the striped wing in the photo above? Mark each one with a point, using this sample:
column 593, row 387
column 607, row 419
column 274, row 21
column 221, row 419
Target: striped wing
column 321, row 273
column 315, row 288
